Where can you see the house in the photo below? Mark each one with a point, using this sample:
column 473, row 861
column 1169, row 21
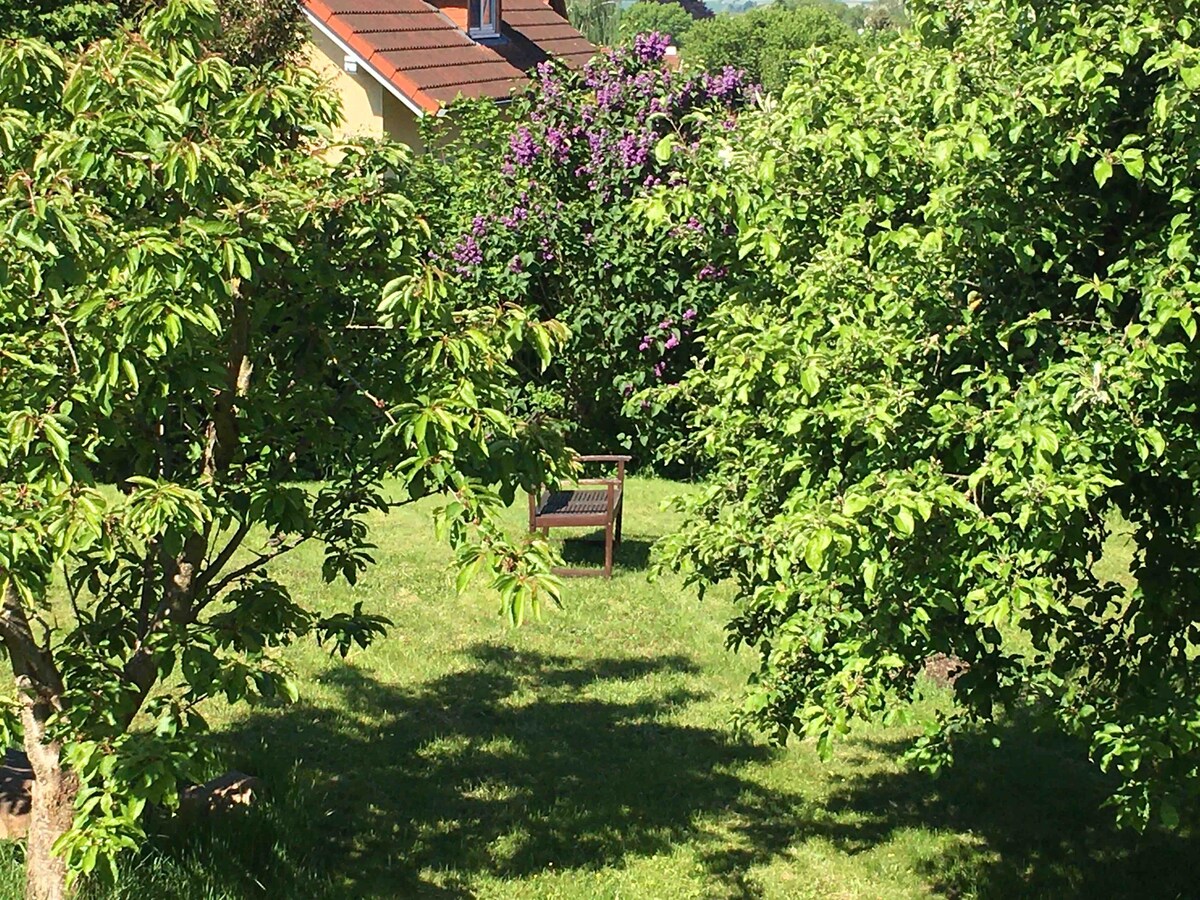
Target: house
column 394, row 61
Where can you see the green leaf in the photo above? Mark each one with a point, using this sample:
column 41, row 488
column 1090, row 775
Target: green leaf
column 980, row 145
column 662, row 150
column 810, row 380
column 770, row 245
column 870, row 569
column 1168, row 814
column 814, row 551
column 465, row 573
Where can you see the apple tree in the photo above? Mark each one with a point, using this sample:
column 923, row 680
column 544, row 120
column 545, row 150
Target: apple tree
column 954, row 378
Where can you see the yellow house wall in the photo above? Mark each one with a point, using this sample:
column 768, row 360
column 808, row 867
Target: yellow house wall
column 367, row 107
column 361, row 94
column 400, row 123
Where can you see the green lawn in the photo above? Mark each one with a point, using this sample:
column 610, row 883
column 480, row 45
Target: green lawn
column 589, row 756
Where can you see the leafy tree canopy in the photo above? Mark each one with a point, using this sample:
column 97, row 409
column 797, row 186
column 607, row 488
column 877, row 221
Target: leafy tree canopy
column 201, row 298
column 956, row 373
column 649, row 17
column 252, row 32
column 766, row 42
column 64, row 25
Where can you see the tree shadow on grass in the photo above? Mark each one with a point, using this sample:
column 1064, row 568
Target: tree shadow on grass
column 1026, row 819
column 632, row 554
column 520, row 763
column 524, row 762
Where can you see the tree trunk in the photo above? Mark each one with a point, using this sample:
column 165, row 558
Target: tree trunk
column 40, row 689
column 53, row 810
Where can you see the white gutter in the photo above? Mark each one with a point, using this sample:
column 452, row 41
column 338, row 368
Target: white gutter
column 350, row 54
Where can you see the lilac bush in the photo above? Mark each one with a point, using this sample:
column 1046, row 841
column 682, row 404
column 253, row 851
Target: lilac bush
column 541, row 212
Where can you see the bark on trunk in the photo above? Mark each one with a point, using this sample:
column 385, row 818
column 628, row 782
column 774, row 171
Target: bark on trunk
column 40, row 689
column 51, row 814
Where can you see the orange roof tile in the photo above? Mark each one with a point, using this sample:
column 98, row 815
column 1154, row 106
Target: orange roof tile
column 422, row 50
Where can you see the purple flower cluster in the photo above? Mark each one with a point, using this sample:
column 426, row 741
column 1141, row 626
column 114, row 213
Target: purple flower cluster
column 467, row 254
column 651, row 48
column 514, row 219
column 664, row 343
column 590, row 135
column 634, row 147
column 712, row 273
column 523, row 146
column 558, row 144
column 726, row 86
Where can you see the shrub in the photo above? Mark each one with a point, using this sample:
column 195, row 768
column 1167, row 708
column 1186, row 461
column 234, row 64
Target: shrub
column 560, row 236
column 252, row 33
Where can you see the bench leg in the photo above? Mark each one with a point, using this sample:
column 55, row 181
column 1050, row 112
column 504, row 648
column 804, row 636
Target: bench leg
column 620, row 519
column 608, row 549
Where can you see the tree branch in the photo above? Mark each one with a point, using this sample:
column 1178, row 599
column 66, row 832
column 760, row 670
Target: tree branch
column 260, row 560
column 31, row 662
column 221, row 560
column 70, row 347
column 181, row 583
column 223, row 427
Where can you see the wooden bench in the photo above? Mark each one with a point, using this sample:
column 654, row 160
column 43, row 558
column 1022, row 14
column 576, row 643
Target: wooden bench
column 593, row 502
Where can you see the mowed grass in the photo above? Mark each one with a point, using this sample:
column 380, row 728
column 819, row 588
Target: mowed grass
column 589, row 755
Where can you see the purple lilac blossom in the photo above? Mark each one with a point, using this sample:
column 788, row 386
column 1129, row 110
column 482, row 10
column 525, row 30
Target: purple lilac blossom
column 524, row 148
column 649, row 48
column 726, row 85
column 672, row 342
column 633, row 149
column 467, row 252
column 556, row 143
column 518, row 215
column 608, row 96
column 689, row 314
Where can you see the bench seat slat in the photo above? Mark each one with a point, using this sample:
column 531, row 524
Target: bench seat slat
column 577, row 503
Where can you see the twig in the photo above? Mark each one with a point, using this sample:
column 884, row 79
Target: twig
column 379, row 404
column 73, row 595
column 67, row 337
